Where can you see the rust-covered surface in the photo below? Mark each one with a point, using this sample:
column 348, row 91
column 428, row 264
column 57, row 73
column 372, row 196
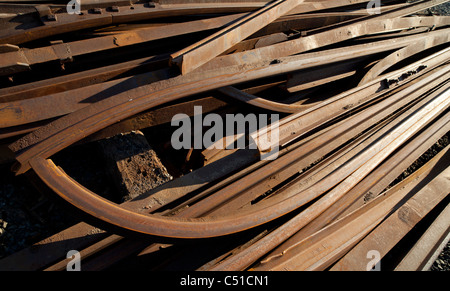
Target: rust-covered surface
column 354, row 97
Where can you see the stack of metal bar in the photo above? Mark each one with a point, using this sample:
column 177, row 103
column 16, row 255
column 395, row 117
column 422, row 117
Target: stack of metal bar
column 360, row 90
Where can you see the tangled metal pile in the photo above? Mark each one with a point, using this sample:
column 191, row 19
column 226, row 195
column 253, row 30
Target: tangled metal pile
column 361, row 91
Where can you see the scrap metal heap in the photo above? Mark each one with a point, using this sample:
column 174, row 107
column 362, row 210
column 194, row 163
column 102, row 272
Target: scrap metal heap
column 361, row 91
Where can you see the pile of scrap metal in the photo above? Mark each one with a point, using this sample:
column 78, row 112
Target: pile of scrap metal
column 361, row 89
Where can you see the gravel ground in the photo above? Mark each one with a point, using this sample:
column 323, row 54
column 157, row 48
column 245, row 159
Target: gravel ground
column 442, row 262
column 443, row 9
column 25, row 216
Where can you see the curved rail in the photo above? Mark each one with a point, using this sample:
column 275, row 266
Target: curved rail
column 259, row 102
column 402, row 54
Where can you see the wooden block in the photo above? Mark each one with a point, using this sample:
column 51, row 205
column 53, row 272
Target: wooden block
column 133, row 164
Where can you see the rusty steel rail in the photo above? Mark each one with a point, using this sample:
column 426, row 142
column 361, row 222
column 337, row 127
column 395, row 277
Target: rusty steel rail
column 260, row 102
column 430, row 245
column 66, row 52
column 270, row 176
column 200, row 53
column 55, row 24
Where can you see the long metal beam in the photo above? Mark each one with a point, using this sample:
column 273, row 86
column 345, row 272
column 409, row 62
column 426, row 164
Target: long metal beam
column 201, row 52
column 426, row 250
